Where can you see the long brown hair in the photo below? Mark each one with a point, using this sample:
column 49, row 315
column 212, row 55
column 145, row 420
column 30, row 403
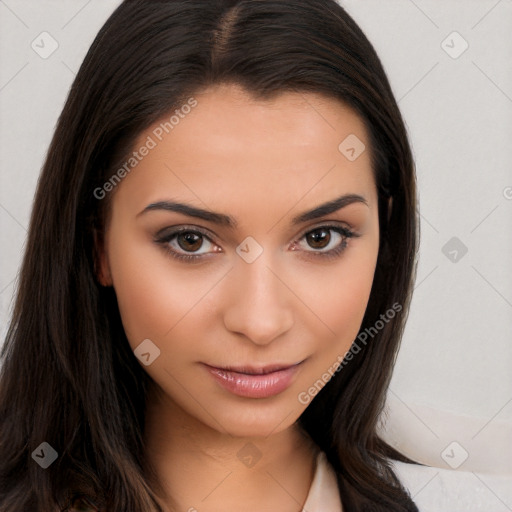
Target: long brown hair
column 69, row 377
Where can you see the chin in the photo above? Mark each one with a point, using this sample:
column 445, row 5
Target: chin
column 256, row 418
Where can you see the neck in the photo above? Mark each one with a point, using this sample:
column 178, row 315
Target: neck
column 196, row 467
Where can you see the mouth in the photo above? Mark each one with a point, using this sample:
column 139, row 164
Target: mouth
column 255, row 382
column 251, row 370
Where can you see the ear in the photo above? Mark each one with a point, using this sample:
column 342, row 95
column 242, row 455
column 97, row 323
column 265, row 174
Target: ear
column 101, row 263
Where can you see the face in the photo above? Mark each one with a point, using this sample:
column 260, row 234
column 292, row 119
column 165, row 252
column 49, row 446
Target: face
column 243, row 246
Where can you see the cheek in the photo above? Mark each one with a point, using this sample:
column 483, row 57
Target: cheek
column 341, row 301
column 349, row 296
column 339, row 297
column 153, row 300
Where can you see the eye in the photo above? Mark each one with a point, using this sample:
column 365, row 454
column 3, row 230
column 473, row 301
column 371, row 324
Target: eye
column 326, row 241
column 185, row 243
column 193, row 245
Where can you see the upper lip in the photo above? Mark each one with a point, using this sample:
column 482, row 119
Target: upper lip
column 253, row 370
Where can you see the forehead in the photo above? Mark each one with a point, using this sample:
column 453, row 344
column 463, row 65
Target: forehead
column 233, row 149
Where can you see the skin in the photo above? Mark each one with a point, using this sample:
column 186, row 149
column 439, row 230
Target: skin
column 262, row 163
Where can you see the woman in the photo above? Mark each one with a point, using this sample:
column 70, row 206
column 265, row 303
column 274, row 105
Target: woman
column 217, row 273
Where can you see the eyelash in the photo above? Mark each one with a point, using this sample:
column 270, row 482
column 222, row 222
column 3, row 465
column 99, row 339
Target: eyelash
column 345, row 233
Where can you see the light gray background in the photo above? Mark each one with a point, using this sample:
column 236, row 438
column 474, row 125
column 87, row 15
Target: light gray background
column 453, row 379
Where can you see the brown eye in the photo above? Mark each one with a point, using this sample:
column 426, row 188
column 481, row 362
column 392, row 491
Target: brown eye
column 325, row 241
column 189, row 241
column 190, row 245
column 319, row 238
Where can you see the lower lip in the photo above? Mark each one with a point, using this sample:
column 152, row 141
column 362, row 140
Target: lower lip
column 254, row 386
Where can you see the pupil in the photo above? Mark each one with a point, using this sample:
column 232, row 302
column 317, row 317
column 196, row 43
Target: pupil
column 192, row 241
column 319, row 239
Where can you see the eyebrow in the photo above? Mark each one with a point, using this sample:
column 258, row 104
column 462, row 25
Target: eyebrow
column 231, row 223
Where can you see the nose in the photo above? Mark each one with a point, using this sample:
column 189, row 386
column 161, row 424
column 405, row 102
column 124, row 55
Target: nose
column 259, row 303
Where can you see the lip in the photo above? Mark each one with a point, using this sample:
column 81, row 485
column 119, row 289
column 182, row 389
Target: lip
column 253, row 382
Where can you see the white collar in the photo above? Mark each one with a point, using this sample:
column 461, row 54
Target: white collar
column 323, row 494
